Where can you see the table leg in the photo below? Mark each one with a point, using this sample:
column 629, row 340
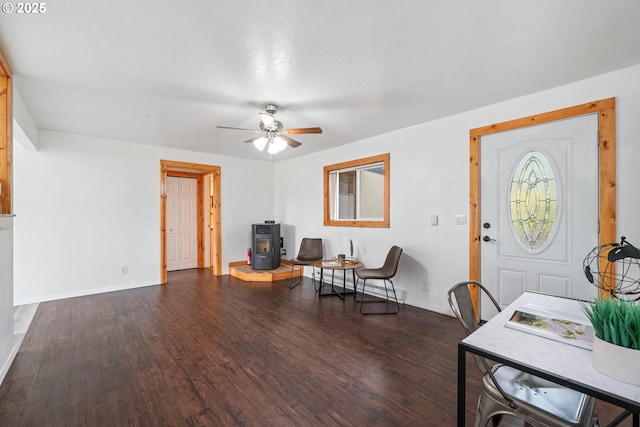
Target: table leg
column 332, row 290
column 343, row 295
column 355, row 286
column 462, row 377
column 333, row 276
column 321, row 281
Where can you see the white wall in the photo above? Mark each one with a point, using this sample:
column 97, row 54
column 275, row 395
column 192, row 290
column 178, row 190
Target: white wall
column 87, row 206
column 25, row 130
column 8, row 348
column 430, row 176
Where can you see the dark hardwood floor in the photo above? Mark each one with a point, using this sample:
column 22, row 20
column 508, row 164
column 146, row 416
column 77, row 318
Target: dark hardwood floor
column 205, row 351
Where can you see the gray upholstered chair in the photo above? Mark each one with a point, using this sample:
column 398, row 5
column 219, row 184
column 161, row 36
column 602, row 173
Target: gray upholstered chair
column 310, row 252
column 509, row 391
column 384, row 273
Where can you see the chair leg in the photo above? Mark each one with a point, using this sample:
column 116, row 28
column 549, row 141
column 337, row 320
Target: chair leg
column 355, row 290
column 313, row 277
column 291, row 276
column 395, row 296
column 362, row 300
column 380, row 300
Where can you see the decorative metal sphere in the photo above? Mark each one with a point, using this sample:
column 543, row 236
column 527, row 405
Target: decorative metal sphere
column 614, row 267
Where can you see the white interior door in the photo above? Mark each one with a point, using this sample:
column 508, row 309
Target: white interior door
column 172, row 218
column 539, row 209
column 182, row 226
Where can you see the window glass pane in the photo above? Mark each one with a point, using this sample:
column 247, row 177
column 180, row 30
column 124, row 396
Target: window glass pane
column 347, row 195
column 534, row 201
column 333, row 188
column 372, row 193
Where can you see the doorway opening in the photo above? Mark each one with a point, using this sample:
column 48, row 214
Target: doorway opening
column 208, row 213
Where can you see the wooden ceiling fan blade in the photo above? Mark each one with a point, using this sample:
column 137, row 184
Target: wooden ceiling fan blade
column 232, row 128
column 259, row 142
column 292, row 142
column 267, row 121
column 255, row 138
column 299, row 131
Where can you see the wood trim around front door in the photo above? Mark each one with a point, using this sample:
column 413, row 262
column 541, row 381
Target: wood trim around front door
column 606, row 110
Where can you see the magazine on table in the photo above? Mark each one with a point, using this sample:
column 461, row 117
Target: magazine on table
column 331, row 264
column 553, row 326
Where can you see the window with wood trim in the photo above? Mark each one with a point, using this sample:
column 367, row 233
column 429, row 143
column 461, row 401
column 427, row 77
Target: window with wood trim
column 356, row 193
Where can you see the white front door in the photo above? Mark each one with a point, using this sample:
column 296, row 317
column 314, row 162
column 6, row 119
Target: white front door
column 182, row 227
column 539, row 208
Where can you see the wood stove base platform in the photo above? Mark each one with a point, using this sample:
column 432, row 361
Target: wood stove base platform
column 242, row 271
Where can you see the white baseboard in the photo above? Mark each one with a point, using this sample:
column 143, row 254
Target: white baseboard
column 83, row 293
column 12, row 355
column 22, row 318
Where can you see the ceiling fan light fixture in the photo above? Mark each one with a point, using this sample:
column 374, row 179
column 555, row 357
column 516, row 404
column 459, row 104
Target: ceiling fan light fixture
column 260, row 143
column 279, row 143
column 276, row 145
column 272, row 133
column 271, row 149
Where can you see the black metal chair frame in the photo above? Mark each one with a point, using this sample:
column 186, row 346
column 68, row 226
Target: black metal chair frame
column 390, row 264
column 302, row 260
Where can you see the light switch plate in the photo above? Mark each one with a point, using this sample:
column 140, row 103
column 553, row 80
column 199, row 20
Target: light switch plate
column 434, row 219
column 461, row 219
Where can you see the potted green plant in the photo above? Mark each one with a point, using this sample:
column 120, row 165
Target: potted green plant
column 616, row 345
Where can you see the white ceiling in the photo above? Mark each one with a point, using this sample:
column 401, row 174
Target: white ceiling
column 167, row 72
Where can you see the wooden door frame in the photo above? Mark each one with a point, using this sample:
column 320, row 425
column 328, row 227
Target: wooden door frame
column 6, row 137
column 177, row 169
column 605, row 109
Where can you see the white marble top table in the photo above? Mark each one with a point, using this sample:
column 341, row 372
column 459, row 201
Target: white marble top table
column 562, row 363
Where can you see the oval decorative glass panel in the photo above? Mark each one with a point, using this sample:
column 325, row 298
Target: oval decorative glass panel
column 533, row 200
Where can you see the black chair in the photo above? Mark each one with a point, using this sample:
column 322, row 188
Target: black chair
column 384, row 273
column 509, row 391
column 310, row 252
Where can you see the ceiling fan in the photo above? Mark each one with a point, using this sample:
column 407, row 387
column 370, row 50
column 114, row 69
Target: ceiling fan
column 272, row 134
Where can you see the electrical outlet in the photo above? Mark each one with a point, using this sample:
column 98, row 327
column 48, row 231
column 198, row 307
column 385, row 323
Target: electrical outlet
column 124, row 269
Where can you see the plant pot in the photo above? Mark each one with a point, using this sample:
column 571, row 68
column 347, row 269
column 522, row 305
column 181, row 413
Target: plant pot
column 617, row 362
